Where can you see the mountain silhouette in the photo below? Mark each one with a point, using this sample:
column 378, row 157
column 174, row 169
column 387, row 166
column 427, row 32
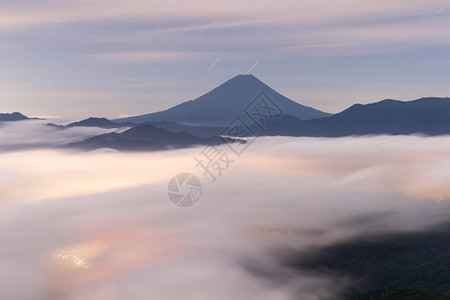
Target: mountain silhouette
column 221, row 105
column 201, row 131
column 94, row 122
column 15, row 116
column 428, row 116
column 147, row 137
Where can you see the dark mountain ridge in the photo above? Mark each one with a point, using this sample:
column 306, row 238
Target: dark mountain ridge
column 201, row 131
column 15, row 116
column 146, row 137
column 94, row 122
column 428, row 116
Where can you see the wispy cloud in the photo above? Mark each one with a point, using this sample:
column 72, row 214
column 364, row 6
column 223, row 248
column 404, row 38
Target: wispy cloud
column 46, row 12
column 108, row 40
column 145, row 56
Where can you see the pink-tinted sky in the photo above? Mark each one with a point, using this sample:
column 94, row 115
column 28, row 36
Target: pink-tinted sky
column 122, row 57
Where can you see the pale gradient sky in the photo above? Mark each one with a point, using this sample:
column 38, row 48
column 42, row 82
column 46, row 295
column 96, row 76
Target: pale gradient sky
column 79, row 58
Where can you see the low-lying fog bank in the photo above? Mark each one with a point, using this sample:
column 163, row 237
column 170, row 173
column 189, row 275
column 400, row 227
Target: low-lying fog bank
column 99, row 225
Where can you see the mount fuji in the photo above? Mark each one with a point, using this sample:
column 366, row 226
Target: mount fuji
column 221, row 105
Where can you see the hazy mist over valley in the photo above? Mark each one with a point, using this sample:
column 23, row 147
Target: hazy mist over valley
column 284, row 196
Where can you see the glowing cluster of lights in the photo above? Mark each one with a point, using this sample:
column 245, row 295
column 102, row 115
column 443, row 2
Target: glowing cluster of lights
column 79, row 255
column 76, row 260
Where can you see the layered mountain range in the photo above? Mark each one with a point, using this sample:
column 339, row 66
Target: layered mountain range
column 251, row 108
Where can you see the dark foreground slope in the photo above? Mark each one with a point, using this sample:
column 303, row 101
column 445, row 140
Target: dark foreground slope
column 392, row 266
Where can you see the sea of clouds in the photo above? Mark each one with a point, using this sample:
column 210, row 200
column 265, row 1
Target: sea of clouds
column 99, row 225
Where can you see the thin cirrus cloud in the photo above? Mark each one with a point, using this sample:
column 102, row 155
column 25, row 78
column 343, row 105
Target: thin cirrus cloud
column 316, row 40
column 144, row 56
column 93, row 48
column 41, row 12
column 316, row 25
